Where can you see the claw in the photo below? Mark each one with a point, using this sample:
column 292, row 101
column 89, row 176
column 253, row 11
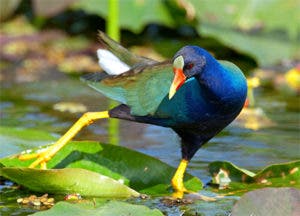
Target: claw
column 43, row 165
column 41, row 158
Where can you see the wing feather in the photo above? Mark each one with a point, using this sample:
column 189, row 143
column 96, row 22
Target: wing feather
column 142, row 88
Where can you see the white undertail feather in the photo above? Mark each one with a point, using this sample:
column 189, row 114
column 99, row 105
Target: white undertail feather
column 110, row 63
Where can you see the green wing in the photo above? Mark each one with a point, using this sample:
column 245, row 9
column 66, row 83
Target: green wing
column 142, row 88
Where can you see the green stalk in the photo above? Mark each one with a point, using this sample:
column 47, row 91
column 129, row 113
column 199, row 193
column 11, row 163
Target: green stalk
column 112, row 28
column 113, row 31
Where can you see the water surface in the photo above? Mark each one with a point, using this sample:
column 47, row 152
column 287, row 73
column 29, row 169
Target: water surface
column 30, row 105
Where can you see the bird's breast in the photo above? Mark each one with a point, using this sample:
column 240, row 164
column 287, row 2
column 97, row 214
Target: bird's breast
column 192, row 107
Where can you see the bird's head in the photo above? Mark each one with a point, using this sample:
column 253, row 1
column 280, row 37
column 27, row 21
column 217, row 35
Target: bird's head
column 188, row 62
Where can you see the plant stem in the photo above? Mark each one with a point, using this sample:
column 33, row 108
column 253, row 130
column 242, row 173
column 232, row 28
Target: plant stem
column 113, row 31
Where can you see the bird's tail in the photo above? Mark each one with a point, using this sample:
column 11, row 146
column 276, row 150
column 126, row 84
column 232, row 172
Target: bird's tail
column 120, row 52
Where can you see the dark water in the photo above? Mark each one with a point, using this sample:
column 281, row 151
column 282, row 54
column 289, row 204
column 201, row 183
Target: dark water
column 30, row 105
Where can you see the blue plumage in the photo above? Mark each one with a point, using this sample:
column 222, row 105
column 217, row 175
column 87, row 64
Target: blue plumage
column 211, row 97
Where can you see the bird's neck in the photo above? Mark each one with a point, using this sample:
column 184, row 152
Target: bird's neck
column 210, row 79
column 220, row 84
column 223, row 85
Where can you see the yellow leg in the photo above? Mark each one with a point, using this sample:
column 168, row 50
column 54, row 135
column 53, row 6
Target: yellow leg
column 44, row 157
column 177, row 180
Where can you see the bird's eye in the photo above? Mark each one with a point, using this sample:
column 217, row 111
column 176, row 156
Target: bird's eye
column 189, row 66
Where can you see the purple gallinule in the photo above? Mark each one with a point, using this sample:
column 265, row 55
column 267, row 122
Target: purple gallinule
column 194, row 94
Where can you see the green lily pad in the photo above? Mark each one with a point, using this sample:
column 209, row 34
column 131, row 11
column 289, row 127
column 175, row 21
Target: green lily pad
column 68, row 180
column 268, row 201
column 111, row 208
column 15, row 140
column 140, row 172
column 233, row 178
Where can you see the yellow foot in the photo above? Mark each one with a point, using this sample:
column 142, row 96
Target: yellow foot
column 43, row 157
column 177, row 180
column 179, row 193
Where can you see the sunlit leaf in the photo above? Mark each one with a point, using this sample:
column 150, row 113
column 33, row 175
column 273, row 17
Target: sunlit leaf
column 111, row 208
column 68, row 180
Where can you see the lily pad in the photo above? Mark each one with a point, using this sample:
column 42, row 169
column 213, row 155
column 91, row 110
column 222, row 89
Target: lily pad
column 15, row 140
column 68, row 180
column 111, row 208
column 277, row 175
column 140, row 172
column 269, row 201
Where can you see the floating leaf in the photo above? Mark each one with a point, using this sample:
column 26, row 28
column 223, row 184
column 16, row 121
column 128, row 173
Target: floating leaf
column 283, row 175
column 278, row 175
column 68, row 180
column 138, row 171
column 111, row 208
column 233, row 172
column 268, row 201
column 15, row 140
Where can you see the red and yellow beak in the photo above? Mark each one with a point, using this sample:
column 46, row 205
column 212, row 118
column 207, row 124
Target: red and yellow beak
column 179, row 77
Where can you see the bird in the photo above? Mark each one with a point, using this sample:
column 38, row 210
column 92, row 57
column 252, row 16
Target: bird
column 193, row 93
